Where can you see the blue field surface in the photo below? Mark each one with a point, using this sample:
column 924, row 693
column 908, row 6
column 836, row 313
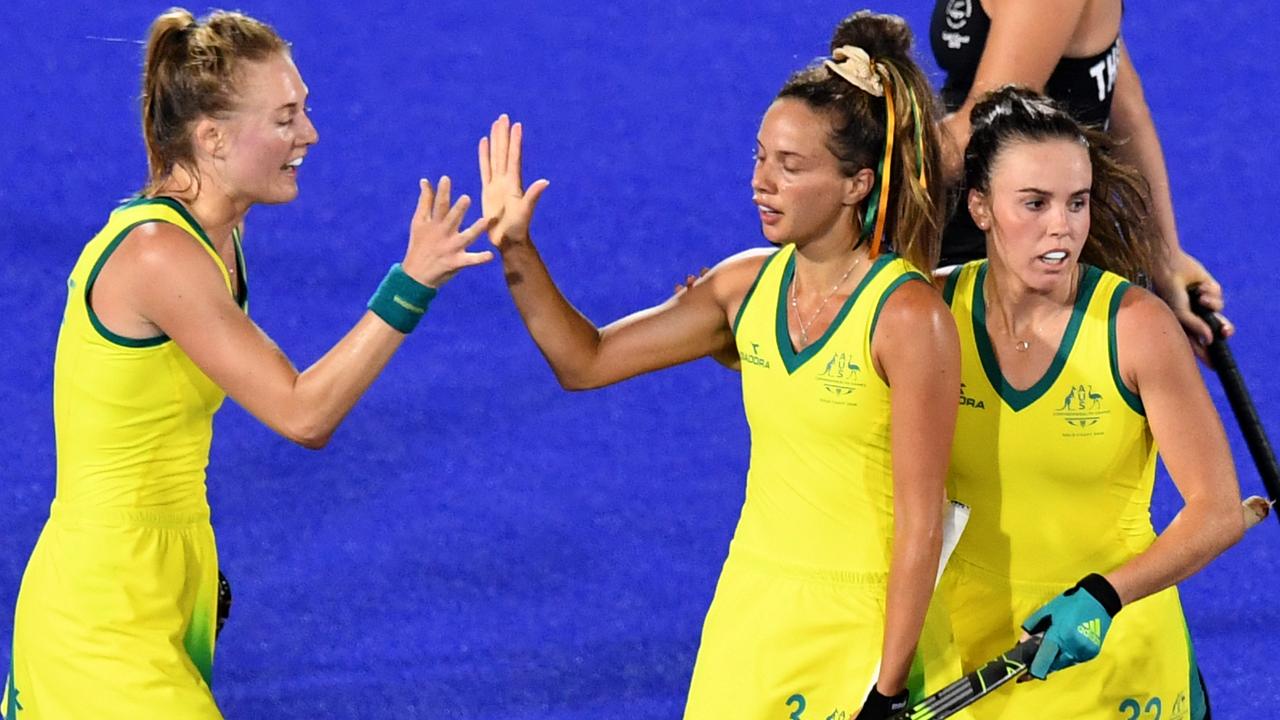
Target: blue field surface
column 475, row 542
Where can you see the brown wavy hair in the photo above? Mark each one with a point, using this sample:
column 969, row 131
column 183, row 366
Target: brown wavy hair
column 914, row 212
column 1122, row 238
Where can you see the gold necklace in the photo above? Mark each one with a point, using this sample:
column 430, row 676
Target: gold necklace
column 804, row 326
column 1018, row 343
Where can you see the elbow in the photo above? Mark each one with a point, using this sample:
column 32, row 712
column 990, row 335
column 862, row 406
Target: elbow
column 311, row 434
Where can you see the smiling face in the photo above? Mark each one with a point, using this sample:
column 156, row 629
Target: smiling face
column 1036, row 210
column 257, row 147
column 797, row 184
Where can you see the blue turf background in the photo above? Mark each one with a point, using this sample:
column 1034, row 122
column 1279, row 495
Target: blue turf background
column 476, row 543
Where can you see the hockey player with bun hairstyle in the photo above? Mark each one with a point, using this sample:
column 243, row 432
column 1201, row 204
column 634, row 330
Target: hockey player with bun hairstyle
column 849, row 376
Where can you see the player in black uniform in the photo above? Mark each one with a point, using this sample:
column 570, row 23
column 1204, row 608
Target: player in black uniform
column 1072, row 51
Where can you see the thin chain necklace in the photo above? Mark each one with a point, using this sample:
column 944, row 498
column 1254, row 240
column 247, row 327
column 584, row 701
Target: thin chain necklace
column 804, row 326
column 1018, row 343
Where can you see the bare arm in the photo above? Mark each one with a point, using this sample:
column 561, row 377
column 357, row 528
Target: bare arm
column 175, row 286
column 691, row 325
column 1139, row 145
column 1024, row 45
column 1155, row 358
column 918, row 350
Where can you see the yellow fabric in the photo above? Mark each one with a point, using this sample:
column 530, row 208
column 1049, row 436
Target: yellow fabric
column 798, row 615
column 115, row 616
column 1059, row 480
column 1061, row 487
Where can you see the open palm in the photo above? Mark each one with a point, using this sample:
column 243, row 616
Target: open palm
column 504, row 201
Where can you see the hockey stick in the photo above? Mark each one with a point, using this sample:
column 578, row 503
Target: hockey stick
column 1015, row 661
column 1255, row 436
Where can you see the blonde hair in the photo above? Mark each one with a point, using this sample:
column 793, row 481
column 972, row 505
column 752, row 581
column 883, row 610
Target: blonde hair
column 190, row 72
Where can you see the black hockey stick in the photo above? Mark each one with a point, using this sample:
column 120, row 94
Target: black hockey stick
column 976, row 685
column 1015, row 661
column 1255, row 436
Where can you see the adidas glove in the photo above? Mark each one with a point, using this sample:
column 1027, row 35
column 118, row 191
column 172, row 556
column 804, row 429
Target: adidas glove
column 1074, row 625
column 879, row 707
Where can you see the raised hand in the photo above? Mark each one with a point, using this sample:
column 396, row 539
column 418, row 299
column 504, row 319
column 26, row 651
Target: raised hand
column 504, row 201
column 437, row 250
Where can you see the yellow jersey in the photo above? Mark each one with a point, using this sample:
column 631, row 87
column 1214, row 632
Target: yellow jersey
column 1058, row 475
column 132, row 417
column 820, row 483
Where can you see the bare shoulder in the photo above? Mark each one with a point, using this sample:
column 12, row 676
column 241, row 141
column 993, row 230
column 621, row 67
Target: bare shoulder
column 159, row 255
column 1147, row 330
column 914, row 304
column 730, row 279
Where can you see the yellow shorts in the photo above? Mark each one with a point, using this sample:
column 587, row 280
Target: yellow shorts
column 1146, row 668
column 789, row 644
column 115, row 618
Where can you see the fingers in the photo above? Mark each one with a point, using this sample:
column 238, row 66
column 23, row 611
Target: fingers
column 453, row 219
column 468, row 259
column 486, row 172
column 426, row 197
column 441, row 206
column 513, row 153
column 499, row 139
column 1044, row 659
column 534, row 193
column 471, row 233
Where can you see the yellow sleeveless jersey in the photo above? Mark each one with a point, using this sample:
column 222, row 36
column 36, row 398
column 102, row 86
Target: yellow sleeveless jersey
column 133, row 417
column 820, row 483
column 1058, row 475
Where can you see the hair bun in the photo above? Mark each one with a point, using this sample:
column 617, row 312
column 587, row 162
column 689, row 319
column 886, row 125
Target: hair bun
column 882, row 36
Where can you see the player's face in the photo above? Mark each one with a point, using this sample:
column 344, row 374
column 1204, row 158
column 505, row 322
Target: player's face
column 267, row 134
column 797, row 184
column 1036, row 214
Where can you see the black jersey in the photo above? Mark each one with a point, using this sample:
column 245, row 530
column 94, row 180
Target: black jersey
column 1084, row 86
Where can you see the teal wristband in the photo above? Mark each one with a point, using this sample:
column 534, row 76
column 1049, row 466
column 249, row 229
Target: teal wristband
column 400, row 300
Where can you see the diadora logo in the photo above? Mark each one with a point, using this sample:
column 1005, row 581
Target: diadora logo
column 967, row 401
column 840, row 377
column 753, row 357
column 1082, row 409
column 1091, row 630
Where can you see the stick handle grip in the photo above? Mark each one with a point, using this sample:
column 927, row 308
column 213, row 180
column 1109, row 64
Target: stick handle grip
column 1224, row 363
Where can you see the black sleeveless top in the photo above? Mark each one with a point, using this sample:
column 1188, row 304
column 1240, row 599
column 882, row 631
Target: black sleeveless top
column 1084, row 86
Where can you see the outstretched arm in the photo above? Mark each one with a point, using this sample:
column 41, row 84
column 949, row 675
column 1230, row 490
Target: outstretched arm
column 174, row 285
column 918, row 350
column 691, row 325
column 1139, row 145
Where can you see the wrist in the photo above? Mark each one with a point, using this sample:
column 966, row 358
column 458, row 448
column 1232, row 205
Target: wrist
column 1103, row 591
column 401, row 300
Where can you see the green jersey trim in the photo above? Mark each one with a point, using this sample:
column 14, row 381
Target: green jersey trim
column 1020, row 399
column 793, row 360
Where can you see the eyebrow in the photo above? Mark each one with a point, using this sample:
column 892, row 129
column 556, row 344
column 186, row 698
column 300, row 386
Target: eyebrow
column 784, row 153
column 295, row 105
column 1038, row 191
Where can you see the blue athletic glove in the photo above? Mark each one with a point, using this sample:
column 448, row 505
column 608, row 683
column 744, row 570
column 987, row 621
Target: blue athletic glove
column 880, row 707
column 1074, row 625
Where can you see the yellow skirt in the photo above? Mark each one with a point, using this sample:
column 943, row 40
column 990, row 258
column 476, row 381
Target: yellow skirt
column 115, row 618
column 792, row 644
column 1146, row 669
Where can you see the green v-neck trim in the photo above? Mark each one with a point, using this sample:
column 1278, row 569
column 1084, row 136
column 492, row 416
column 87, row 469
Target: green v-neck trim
column 1019, row 399
column 791, row 359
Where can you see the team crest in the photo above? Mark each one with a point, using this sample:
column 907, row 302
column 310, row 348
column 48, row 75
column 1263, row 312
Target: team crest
column 840, row 378
column 1083, row 409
